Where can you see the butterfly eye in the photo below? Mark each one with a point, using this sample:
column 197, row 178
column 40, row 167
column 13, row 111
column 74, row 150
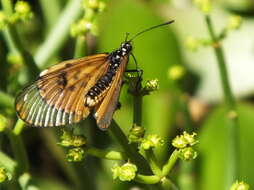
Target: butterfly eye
column 126, row 47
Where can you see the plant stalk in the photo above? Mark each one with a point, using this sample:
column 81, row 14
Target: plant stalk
column 232, row 145
column 129, row 150
column 137, row 104
column 59, row 33
column 80, row 47
column 109, row 155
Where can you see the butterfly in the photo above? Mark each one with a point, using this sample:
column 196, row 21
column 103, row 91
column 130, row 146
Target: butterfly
column 68, row 92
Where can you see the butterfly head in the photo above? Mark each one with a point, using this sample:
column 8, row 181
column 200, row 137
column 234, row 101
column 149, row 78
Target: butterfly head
column 126, row 48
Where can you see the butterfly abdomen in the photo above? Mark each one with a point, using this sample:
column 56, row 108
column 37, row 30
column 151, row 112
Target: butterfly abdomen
column 97, row 92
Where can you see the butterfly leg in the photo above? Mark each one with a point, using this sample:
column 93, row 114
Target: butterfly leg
column 139, row 71
column 119, row 105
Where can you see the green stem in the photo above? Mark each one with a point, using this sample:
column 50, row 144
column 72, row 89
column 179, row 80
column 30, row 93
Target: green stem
column 145, row 179
column 137, row 103
column 110, row 155
column 186, row 179
column 188, row 123
column 129, row 150
column 10, row 33
column 152, row 161
column 6, row 100
column 137, row 110
column 19, row 151
column 50, row 13
column 59, row 33
column 80, row 48
column 232, row 146
column 8, row 163
column 26, row 182
column 19, row 126
column 14, row 43
column 168, row 184
column 51, row 140
column 170, row 163
column 229, row 99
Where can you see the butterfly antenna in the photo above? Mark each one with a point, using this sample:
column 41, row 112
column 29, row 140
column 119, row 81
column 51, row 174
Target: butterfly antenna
column 151, row 28
column 126, row 36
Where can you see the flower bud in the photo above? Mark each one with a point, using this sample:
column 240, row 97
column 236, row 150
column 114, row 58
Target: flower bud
column 176, row 72
column 190, row 138
column 192, row 43
column 151, row 141
column 184, row 140
column 69, row 139
column 78, row 140
column 15, row 59
column 179, row 142
column 75, row 155
column 116, row 170
column 204, row 5
column 240, row 186
column 136, row 134
column 22, row 7
column 188, row 154
column 95, row 5
column 92, row 4
column 22, row 12
column 80, row 28
column 126, row 172
column 3, row 20
column 151, row 85
column 4, row 175
column 234, row 22
column 102, row 6
column 66, row 139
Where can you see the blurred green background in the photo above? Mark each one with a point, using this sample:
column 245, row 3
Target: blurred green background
column 163, row 113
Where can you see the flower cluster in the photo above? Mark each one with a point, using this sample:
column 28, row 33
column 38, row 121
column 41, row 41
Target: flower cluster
column 22, row 12
column 68, row 139
column 234, row 23
column 240, row 186
column 136, row 134
column 4, row 175
column 75, row 155
column 151, row 85
column 15, row 59
column 88, row 23
column 184, row 143
column 95, row 5
column 204, row 5
column 126, row 172
column 176, row 72
column 151, row 141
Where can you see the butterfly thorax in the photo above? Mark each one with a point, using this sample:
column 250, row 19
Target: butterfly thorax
column 97, row 92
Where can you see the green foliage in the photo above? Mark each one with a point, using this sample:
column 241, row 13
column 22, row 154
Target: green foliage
column 155, row 105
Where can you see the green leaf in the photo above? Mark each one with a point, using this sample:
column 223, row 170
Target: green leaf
column 212, row 147
column 155, row 50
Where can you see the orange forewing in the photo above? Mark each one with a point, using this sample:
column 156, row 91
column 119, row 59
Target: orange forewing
column 58, row 96
column 105, row 110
